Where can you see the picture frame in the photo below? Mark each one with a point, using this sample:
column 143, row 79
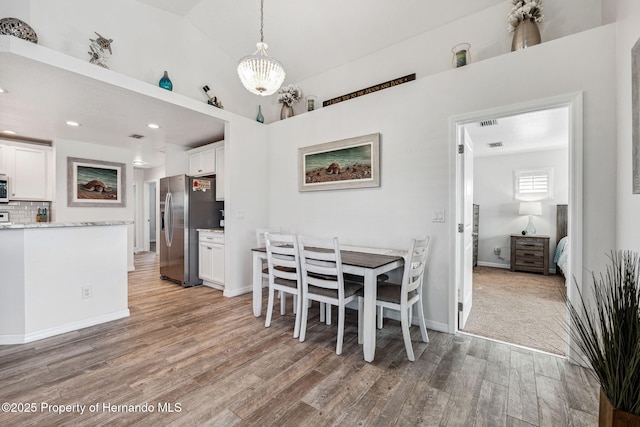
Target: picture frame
column 635, row 116
column 338, row 165
column 95, row 183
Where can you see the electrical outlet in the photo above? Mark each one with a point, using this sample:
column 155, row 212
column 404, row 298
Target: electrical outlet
column 87, row 292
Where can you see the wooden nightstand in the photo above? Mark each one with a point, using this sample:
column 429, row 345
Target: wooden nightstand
column 530, row 253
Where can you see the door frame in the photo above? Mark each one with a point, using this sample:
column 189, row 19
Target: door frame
column 147, row 212
column 574, row 103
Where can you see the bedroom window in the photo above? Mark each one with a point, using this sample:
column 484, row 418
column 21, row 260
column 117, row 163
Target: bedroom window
column 531, row 185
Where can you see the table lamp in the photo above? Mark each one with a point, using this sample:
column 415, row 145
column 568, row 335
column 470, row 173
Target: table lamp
column 531, row 209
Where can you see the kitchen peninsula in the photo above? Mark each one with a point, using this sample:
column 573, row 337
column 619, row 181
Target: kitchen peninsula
column 60, row 277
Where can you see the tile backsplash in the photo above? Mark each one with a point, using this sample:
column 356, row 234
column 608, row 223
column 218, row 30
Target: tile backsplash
column 25, row 212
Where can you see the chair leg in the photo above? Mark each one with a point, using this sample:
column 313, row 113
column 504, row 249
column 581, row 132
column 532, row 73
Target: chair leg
column 340, row 329
column 328, row 316
column 423, row 326
column 297, row 308
column 303, row 322
column 360, row 319
column 267, row 321
column 283, row 303
column 322, row 312
column 404, row 323
column 380, row 316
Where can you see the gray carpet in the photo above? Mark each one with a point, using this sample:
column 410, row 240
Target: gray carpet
column 520, row 308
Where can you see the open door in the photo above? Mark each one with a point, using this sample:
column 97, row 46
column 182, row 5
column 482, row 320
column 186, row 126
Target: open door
column 465, row 226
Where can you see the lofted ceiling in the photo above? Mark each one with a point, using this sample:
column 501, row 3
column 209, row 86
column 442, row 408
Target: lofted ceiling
column 308, row 36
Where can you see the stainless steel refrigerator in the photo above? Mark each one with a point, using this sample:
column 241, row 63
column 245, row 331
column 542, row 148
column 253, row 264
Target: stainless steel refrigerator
column 186, row 204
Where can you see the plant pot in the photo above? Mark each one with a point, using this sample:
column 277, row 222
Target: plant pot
column 612, row 417
column 526, row 34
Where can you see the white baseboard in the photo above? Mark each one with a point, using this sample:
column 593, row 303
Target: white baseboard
column 230, row 293
column 430, row 324
column 62, row 329
column 493, row 264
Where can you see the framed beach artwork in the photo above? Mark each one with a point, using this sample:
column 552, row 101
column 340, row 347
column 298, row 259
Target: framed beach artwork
column 337, row 165
column 95, row 183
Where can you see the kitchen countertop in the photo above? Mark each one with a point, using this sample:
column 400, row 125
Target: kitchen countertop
column 215, row 230
column 61, row 224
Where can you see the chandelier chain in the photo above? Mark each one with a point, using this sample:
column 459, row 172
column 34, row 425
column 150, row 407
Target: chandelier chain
column 261, row 21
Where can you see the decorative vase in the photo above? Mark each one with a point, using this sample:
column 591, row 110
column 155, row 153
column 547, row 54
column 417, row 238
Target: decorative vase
column 526, row 34
column 165, row 82
column 610, row 417
column 286, row 112
column 461, row 55
column 18, row 28
column 260, row 117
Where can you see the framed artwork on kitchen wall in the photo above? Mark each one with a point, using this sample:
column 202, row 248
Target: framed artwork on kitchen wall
column 95, row 183
column 337, row 165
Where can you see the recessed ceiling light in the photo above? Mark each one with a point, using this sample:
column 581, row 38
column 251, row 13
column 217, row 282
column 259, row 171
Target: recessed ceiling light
column 72, row 123
column 153, row 126
column 2, row 90
column 10, row 132
column 138, row 162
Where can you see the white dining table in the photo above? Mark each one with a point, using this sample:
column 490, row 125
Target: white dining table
column 365, row 262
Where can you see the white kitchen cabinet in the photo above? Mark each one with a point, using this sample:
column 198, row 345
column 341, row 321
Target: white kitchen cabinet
column 211, row 258
column 220, row 173
column 202, row 163
column 29, row 170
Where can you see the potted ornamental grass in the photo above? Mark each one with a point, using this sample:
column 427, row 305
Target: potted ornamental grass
column 606, row 331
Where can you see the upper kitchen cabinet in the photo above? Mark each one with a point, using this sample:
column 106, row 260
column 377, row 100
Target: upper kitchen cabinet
column 29, row 169
column 220, row 173
column 202, row 162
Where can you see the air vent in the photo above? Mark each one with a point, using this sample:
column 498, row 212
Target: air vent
column 495, row 144
column 136, row 136
column 491, row 122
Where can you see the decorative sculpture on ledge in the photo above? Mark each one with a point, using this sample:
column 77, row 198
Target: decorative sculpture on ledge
column 100, row 50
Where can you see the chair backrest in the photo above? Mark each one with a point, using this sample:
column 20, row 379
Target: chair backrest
column 260, row 235
column 415, row 265
column 282, row 257
column 321, row 263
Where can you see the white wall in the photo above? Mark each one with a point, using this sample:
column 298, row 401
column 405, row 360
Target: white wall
column 493, row 192
column 430, row 52
column 628, row 204
column 63, row 213
column 146, row 42
column 416, row 152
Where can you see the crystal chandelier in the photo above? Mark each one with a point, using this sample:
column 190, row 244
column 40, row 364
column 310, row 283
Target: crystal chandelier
column 260, row 73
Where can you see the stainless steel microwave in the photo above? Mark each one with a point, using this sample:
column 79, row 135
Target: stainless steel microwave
column 4, row 189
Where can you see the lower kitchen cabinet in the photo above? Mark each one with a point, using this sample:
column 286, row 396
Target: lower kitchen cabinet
column 211, row 258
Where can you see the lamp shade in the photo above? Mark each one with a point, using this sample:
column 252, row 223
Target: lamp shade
column 530, row 208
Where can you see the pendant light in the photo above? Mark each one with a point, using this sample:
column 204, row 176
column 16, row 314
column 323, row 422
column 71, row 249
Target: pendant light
column 260, row 73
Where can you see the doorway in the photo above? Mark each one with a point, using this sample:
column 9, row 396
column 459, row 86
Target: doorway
column 150, row 216
column 492, row 253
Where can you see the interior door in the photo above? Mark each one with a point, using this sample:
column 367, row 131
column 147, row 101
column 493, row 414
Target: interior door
column 465, row 294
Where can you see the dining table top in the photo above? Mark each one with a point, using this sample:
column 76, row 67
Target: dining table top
column 361, row 258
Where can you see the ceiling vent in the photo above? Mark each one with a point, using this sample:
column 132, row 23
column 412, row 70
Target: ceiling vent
column 136, row 136
column 491, row 122
column 495, row 144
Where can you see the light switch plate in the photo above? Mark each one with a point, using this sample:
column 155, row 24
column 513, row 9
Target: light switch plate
column 437, row 215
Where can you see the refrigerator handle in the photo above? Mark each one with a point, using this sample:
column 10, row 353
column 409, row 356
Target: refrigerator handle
column 168, row 219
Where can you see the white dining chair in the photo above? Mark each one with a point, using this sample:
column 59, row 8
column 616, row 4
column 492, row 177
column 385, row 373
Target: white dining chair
column 402, row 297
column 323, row 281
column 284, row 273
column 260, row 242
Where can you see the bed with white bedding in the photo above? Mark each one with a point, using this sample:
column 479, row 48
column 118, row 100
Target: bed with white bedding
column 561, row 255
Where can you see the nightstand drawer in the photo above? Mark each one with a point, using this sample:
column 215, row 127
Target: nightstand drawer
column 530, row 253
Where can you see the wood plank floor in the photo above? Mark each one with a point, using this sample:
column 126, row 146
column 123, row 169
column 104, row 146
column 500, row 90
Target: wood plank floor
column 192, row 357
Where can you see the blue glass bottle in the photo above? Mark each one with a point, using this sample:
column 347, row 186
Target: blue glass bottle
column 165, row 82
column 260, row 117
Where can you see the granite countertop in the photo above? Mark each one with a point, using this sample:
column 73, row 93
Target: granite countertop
column 10, row 226
column 215, row 230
